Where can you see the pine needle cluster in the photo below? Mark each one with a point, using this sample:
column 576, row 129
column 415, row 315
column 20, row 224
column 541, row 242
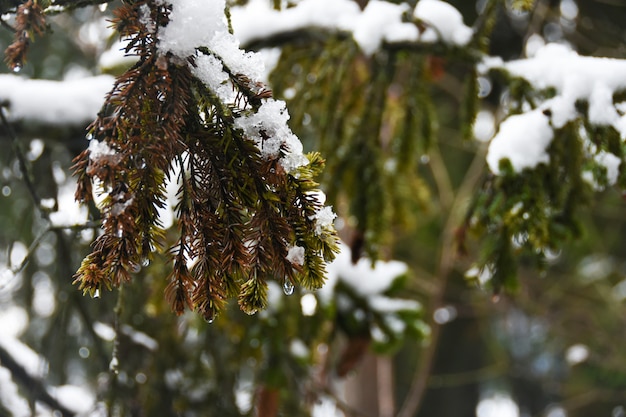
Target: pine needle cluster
column 29, row 21
column 243, row 218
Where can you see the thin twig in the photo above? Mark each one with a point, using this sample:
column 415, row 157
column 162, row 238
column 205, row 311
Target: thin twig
column 448, row 254
column 22, row 164
column 37, row 241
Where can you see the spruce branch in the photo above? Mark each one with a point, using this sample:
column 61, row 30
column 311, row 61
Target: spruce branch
column 243, row 201
column 29, row 21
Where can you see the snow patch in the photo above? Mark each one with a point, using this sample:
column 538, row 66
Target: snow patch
column 523, row 139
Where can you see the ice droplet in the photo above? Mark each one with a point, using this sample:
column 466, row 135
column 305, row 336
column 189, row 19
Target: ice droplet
column 288, row 287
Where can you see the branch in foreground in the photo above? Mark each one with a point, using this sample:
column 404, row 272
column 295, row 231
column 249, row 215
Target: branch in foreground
column 34, row 386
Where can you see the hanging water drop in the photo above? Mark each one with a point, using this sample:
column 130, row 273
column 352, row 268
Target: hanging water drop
column 288, row 287
column 96, row 293
column 484, row 87
column 17, row 68
column 145, row 261
column 251, row 312
column 114, row 365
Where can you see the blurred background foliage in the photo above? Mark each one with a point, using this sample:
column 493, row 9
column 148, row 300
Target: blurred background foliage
column 554, row 347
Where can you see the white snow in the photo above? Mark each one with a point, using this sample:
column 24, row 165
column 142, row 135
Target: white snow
column 444, row 23
column 323, row 219
column 576, row 354
column 99, row 149
column 14, row 321
column 362, row 277
column 366, row 281
column 611, row 163
column 27, row 358
column 139, row 338
column 380, row 21
column 9, row 395
column 308, row 304
column 257, row 20
column 295, row 255
column 210, row 71
column 326, row 406
column 298, row 349
column 107, row 333
column 115, row 56
column 193, row 23
column 484, row 126
column 77, row 399
column 385, row 304
column 69, row 212
column 497, row 405
column 104, row 331
column 70, row 102
column 574, row 77
column 523, row 139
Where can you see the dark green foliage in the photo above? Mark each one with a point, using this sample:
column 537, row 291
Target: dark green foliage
column 375, row 121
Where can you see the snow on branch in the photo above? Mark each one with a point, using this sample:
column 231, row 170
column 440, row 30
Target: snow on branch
column 194, row 107
column 380, row 22
column 71, row 102
column 566, row 79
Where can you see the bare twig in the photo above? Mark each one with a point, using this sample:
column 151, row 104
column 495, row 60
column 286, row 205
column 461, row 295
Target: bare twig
column 446, row 263
column 22, row 164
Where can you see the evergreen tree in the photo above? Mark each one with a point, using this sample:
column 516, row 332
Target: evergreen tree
column 473, row 159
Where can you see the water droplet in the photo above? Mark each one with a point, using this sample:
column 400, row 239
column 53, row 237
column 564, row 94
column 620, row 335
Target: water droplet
column 484, row 87
column 120, row 232
column 140, row 163
column 89, row 136
column 134, row 268
column 552, row 254
column 209, row 320
column 145, row 262
column 288, row 287
column 114, row 365
column 17, row 68
column 251, row 312
column 96, row 293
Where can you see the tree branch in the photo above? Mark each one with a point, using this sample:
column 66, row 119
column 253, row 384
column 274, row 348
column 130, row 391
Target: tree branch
column 34, row 386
